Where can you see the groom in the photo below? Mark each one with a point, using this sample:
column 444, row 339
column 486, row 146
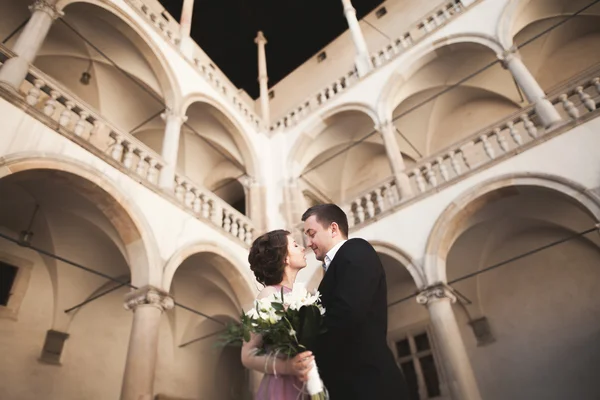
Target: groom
column 353, row 357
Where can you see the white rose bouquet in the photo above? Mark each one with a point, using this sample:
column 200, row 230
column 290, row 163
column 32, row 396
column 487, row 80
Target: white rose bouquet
column 289, row 324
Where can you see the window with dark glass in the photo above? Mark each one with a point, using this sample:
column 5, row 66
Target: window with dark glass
column 8, row 273
column 417, row 362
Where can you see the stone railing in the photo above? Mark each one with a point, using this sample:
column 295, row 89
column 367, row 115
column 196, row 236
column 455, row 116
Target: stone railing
column 169, row 28
column 73, row 118
column 509, row 137
column 315, row 101
column 73, row 115
column 433, row 21
column 208, row 206
column 218, row 80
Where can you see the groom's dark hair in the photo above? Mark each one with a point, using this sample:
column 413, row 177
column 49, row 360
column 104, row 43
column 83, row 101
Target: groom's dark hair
column 326, row 214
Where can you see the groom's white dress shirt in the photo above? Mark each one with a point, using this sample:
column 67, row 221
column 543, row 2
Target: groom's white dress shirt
column 331, row 253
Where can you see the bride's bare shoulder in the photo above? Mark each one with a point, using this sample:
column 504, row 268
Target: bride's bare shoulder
column 267, row 291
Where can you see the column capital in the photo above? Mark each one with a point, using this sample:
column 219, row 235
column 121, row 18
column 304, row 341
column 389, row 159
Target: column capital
column 149, row 295
column 435, row 293
column 170, row 115
column 260, row 38
column 385, row 125
column 508, row 55
column 47, row 7
column 247, row 181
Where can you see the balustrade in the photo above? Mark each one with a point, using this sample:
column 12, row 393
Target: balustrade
column 77, row 121
column 503, row 139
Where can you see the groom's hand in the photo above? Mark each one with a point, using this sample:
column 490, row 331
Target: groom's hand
column 302, row 364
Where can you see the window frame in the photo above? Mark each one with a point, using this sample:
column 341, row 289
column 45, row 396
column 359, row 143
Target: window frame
column 19, row 286
column 410, row 333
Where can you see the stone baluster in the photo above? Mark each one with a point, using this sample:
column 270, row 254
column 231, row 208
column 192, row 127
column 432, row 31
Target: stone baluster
column 443, row 169
column 67, row 114
column 454, row 162
column 430, row 174
column 369, row 206
column 50, row 105
column 179, row 190
column 234, row 224
column 142, row 165
column 128, row 157
column 152, row 171
column 378, row 200
column 34, row 93
column 98, row 125
column 81, row 124
column 197, row 201
column 487, row 147
column 117, row 148
column 446, row 13
column 419, row 179
column 226, row 222
column 188, row 196
column 206, row 211
column 529, row 126
column 249, row 235
column 359, row 211
column 586, row 99
column 425, row 26
column 391, row 193
column 568, row 106
column 514, row 133
column 242, row 230
column 596, row 82
column 457, row 7
column 502, row 142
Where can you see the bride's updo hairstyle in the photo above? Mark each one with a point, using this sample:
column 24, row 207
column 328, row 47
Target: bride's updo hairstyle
column 267, row 257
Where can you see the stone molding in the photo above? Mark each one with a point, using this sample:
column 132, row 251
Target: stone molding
column 149, row 295
column 47, row 7
column 435, row 293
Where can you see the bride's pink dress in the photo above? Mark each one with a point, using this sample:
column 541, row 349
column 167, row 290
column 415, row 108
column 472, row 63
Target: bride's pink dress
column 282, row 387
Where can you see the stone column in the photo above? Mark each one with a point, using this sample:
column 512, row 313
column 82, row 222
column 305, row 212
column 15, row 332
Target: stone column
column 263, row 78
column 170, row 147
column 14, row 71
column 388, row 132
column 362, row 59
column 459, row 373
column 148, row 304
column 185, row 27
column 511, row 60
column 254, row 202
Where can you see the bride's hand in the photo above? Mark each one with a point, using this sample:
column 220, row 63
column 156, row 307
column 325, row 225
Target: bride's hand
column 301, row 365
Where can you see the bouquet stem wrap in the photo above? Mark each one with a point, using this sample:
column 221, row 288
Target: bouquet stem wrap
column 314, row 386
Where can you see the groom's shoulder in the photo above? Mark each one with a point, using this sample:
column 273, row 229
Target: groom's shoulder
column 358, row 244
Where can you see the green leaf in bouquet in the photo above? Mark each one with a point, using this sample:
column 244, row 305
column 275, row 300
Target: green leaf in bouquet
column 277, row 306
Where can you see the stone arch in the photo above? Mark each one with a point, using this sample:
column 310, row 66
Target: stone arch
column 404, row 258
column 231, row 123
column 241, row 282
column 509, row 26
column 316, row 125
column 453, row 220
column 419, row 58
column 140, row 244
column 159, row 64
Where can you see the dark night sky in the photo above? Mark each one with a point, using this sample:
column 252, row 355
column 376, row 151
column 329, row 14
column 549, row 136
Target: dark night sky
column 295, row 30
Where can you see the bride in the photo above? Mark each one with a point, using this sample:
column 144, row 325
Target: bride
column 275, row 258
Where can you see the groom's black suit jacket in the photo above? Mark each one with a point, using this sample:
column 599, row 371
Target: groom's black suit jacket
column 353, row 357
